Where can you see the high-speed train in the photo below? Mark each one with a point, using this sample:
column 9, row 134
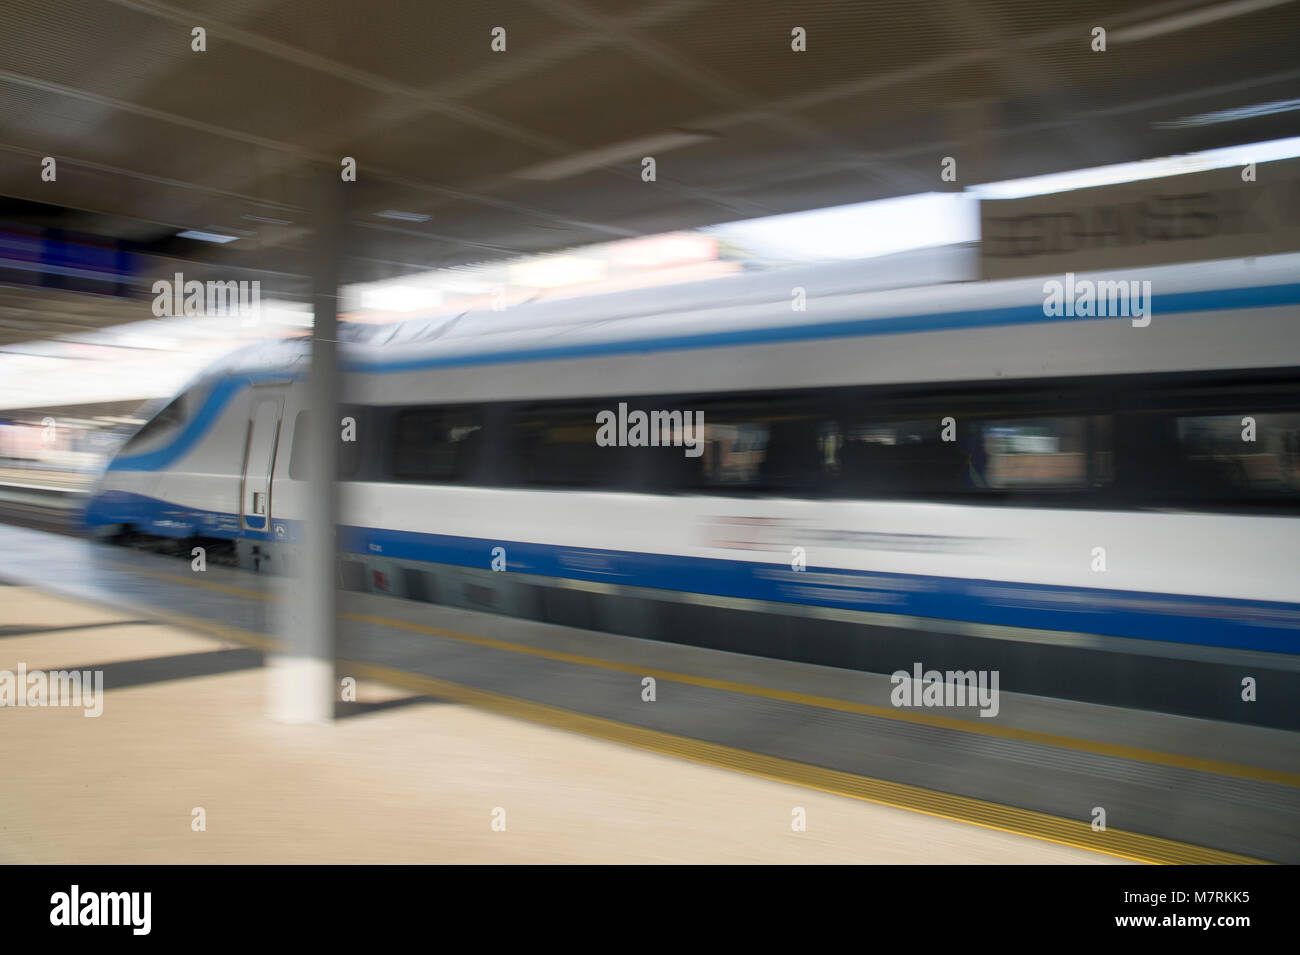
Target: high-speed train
column 848, row 465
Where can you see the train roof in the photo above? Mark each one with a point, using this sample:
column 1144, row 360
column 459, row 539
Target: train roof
column 914, row 285
column 425, row 334
column 921, row 267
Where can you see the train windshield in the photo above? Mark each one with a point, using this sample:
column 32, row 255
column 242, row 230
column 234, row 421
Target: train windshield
column 168, row 418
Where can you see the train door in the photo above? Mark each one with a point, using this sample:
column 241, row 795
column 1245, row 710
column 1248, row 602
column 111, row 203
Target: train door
column 259, row 460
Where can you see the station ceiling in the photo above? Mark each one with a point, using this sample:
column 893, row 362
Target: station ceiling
column 467, row 154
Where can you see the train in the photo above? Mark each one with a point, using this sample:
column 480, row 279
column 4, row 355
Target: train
column 854, row 464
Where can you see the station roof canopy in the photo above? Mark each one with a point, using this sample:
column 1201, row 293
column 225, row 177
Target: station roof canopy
column 465, row 153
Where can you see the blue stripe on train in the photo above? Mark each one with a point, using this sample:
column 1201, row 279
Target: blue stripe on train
column 215, row 402
column 1212, row 621
column 152, row 516
column 1262, row 296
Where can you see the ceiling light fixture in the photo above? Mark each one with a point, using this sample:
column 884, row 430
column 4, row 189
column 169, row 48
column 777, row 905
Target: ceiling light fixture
column 1191, row 19
column 567, row 166
column 1232, row 115
column 403, row 216
column 206, row 236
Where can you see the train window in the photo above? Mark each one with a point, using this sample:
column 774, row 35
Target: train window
column 916, row 457
column 1101, row 450
column 1235, row 454
column 1033, row 453
column 298, row 455
column 169, row 417
column 556, row 446
column 349, row 451
column 776, row 445
column 437, row 444
column 831, row 444
column 901, row 457
column 735, row 450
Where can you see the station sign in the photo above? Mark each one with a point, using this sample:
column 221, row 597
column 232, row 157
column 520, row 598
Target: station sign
column 1232, row 212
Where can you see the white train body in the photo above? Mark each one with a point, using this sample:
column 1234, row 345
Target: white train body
column 1028, row 538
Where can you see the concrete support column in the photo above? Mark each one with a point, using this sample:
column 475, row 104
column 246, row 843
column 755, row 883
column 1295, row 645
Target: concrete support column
column 306, row 688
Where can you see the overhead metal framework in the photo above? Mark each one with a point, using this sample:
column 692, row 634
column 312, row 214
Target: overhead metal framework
column 466, row 153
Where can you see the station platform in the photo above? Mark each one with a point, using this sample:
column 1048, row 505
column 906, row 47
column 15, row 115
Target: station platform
column 461, row 705
column 398, row 778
